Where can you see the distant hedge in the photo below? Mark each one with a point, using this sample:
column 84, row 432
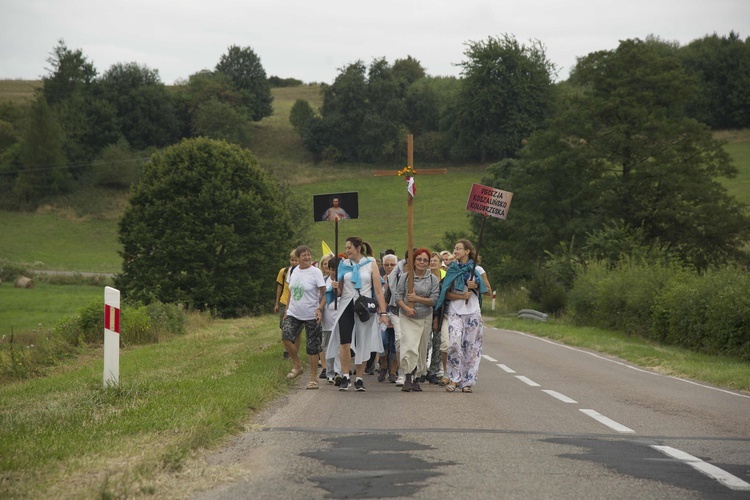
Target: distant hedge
column 707, row 312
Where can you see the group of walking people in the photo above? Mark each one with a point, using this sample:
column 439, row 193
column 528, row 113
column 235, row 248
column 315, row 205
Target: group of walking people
column 425, row 324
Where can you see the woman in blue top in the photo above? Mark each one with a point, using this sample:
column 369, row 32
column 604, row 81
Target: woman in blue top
column 461, row 288
column 355, row 276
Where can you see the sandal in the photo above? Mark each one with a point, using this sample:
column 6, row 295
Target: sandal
column 466, row 389
column 451, row 387
column 313, row 384
column 294, row 373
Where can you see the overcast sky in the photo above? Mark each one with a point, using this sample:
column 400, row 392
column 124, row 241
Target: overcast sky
column 312, row 40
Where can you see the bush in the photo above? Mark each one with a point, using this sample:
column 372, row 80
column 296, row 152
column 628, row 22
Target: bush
column 135, row 327
column 707, row 313
column 546, row 291
column 331, row 155
column 620, row 298
column 301, row 116
column 117, row 166
column 9, row 271
column 139, row 324
column 431, row 146
column 91, row 322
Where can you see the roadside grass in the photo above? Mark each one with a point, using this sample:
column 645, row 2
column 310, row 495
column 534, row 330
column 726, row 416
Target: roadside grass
column 720, row 371
column 66, row 436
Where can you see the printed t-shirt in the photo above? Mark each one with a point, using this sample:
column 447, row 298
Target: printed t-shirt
column 304, row 292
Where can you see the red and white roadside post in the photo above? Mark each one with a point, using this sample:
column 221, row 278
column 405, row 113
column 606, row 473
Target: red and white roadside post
column 111, row 337
column 494, row 296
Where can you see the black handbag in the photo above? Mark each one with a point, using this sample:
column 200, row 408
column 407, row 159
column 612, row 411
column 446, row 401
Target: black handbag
column 364, row 307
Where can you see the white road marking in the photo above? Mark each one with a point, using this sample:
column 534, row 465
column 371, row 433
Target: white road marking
column 561, row 397
column 607, row 421
column 722, row 476
column 623, row 364
column 506, row 368
column 527, row 381
column 489, row 358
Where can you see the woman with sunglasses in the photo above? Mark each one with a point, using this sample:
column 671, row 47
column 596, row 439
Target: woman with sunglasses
column 415, row 316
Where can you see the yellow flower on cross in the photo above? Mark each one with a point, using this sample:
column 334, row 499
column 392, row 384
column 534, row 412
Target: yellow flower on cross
column 408, row 171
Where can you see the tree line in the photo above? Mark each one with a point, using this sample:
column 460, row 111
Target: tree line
column 81, row 119
column 506, row 91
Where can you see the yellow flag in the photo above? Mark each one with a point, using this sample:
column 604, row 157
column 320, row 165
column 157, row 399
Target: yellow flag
column 326, row 250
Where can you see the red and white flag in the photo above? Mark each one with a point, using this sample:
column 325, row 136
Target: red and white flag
column 410, row 187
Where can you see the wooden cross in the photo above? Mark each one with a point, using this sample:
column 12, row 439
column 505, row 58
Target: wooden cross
column 410, row 206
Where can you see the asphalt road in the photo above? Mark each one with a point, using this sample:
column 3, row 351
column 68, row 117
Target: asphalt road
column 545, row 421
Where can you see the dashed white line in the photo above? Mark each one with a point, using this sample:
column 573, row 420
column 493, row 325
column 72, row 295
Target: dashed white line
column 489, row 358
column 609, row 360
column 561, row 397
column 527, row 381
column 506, row 368
column 722, row 476
column 607, row 421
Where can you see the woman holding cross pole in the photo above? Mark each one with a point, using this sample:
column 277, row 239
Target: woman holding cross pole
column 462, row 286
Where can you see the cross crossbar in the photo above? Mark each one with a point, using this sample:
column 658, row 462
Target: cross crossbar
column 421, row 171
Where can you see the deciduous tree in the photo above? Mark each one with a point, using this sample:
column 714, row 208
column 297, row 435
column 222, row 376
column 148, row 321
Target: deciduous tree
column 145, row 110
column 622, row 150
column 69, row 72
column 45, row 167
column 506, row 94
column 204, row 228
column 722, row 67
column 243, row 67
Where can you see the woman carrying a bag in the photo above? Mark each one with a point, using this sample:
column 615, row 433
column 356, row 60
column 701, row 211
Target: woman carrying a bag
column 357, row 275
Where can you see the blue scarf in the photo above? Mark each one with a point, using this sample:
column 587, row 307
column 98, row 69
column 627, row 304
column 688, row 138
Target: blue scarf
column 345, row 268
column 457, row 275
column 354, row 269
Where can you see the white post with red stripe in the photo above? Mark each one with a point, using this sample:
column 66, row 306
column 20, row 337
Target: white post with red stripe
column 494, row 296
column 111, row 337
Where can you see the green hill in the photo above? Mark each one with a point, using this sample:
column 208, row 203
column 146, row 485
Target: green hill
column 79, row 232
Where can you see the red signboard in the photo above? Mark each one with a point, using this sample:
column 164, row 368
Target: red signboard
column 112, row 318
column 489, row 201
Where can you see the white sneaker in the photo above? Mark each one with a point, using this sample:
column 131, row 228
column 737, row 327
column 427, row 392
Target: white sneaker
column 400, row 381
column 330, row 380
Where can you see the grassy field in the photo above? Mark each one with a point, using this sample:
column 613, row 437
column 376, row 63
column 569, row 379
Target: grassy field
column 54, row 241
column 42, row 307
column 439, row 206
column 739, row 187
column 18, row 91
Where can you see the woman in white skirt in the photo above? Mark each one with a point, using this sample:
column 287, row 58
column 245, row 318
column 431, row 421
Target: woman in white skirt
column 357, row 275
